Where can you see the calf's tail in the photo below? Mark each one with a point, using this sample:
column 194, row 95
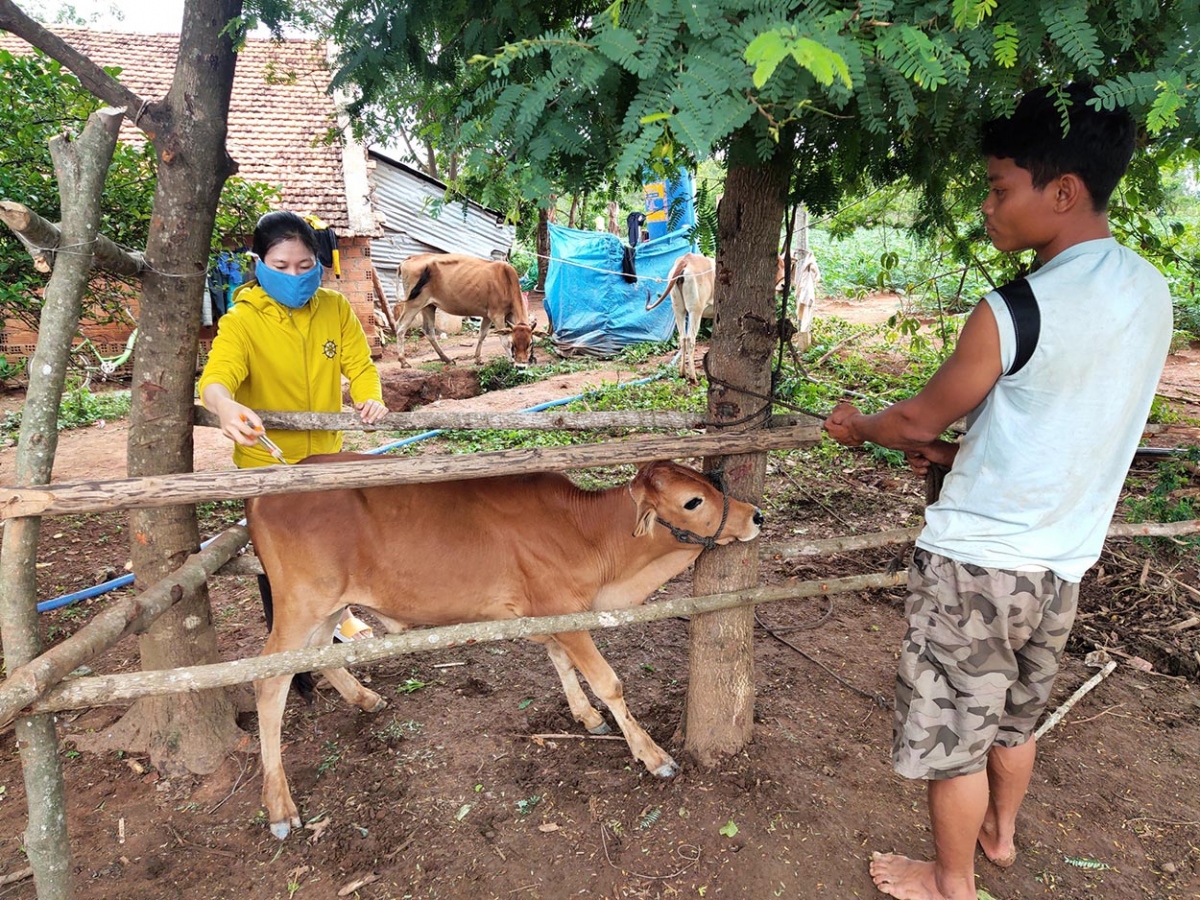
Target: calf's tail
column 420, row 285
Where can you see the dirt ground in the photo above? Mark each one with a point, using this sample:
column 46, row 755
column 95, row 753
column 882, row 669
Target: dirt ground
column 475, row 782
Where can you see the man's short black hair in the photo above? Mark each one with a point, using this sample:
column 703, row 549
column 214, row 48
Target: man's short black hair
column 1097, row 146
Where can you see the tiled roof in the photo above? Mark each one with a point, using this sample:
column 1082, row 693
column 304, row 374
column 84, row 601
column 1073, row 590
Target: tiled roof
column 279, row 113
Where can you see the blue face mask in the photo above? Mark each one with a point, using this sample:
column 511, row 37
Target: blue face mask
column 293, row 291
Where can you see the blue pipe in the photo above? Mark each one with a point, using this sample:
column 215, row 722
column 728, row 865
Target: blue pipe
column 126, row 580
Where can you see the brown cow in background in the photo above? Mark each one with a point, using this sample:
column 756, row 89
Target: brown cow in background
column 463, row 285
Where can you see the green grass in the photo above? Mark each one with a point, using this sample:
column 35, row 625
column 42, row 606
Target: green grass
column 78, row 408
column 1167, row 501
column 890, row 259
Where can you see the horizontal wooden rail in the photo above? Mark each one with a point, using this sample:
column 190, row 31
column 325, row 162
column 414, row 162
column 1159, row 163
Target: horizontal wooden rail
column 98, row 690
column 546, row 420
column 194, row 487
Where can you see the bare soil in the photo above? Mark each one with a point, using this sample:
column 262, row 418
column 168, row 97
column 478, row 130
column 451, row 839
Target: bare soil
column 476, row 783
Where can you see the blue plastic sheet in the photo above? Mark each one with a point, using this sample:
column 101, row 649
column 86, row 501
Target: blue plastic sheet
column 594, row 310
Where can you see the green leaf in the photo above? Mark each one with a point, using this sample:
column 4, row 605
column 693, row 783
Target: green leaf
column 770, row 48
column 765, row 53
column 971, row 13
column 618, row 44
column 1007, row 43
column 1164, row 111
column 1069, row 28
column 729, row 829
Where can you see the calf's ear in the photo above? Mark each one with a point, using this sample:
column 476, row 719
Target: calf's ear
column 646, row 517
column 533, row 323
column 644, row 511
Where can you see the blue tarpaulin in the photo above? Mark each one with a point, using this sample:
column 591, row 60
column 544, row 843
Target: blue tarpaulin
column 593, row 307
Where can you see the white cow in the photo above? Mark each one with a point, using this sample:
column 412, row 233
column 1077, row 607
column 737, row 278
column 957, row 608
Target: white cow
column 690, row 286
column 805, row 276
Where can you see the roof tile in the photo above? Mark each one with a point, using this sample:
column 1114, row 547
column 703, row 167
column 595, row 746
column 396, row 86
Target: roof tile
column 280, row 113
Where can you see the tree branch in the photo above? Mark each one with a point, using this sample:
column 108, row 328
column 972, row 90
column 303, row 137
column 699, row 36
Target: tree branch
column 91, row 76
column 28, row 682
column 42, row 238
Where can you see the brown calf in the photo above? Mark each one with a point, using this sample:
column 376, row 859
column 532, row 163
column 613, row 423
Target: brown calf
column 476, row 550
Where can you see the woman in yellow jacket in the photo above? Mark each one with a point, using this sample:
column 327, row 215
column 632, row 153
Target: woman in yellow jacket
column 285, row 345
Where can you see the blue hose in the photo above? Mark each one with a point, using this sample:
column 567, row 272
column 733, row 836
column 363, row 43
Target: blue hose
column 126, row 580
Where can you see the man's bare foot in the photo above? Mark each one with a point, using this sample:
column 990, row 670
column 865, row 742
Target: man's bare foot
column 904, row 878
column 1001, row 853
column 909, row 879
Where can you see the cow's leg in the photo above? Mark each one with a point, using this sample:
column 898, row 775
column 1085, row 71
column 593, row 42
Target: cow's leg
column 484, row 324
column 582, row 652
column 695, row 314
column 681, row 329
column 293, row 630
column 429, row 326
column 343, row 682
column 581, row 709
column 271, row 696
column 404, row 321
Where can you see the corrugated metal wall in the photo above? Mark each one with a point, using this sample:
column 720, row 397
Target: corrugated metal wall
column 405, row 197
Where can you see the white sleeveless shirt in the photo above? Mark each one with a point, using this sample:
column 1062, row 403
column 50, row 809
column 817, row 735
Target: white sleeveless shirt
column 1039, row 471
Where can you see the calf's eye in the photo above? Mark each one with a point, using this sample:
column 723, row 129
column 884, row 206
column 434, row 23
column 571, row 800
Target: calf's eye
column 693, row 503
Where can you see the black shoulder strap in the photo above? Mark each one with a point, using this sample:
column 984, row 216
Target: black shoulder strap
column 1027, row 320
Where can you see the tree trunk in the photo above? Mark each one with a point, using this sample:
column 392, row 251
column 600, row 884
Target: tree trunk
column 81, row 167
column 187, row 732
column 543, row 247
column 719, row 714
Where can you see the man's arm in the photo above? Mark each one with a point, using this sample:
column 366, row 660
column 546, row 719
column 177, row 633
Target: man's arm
column 957, row 387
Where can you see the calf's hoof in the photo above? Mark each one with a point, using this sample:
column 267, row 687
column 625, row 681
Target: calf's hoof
column 602, row 728
column 669, row 769
column 281, row 829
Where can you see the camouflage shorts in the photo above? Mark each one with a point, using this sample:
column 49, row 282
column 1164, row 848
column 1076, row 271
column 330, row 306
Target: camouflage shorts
column 977, row 663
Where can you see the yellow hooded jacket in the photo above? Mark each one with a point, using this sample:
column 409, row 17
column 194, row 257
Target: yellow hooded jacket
column 274, row 358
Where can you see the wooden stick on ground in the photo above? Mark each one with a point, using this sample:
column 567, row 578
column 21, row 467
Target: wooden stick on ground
column 1075, row 698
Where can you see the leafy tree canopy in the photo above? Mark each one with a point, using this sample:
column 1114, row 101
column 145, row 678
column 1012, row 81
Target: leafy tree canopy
column 857, row 93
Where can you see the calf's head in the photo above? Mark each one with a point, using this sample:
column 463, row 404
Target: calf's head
column 690, row 506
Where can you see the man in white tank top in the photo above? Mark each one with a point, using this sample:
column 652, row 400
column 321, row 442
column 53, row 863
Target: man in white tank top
column 1056, row 377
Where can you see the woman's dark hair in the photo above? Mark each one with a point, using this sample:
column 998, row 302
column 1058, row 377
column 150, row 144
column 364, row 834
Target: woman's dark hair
column 275, row 227
column 1097, row 145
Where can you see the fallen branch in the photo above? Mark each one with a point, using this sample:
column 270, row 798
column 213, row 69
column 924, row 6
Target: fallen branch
column 14, row 877
column 100, row 690
column 1076, row 697
column 1184, row 625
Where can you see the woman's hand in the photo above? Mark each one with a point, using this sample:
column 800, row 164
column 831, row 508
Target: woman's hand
column 371, row 411
column 239, row 423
